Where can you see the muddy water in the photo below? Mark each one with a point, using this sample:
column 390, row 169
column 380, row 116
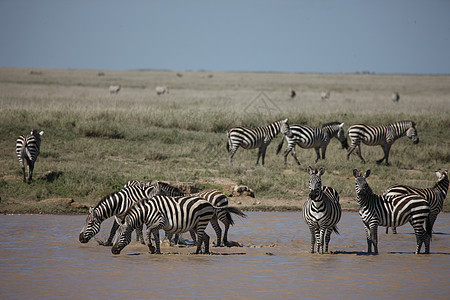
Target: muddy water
column 41, row 257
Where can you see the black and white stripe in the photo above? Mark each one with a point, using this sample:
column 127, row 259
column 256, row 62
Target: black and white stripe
column 172, row 214
column 115, row 204
column 382, row 135
column 251, row 138
column 218, row 199
column 27, row 150
column 312, row 137
column 390, row 211
column 435, row 196
column 321, row 211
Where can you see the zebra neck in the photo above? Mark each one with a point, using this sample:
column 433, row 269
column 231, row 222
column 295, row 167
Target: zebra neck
column 441, row 187
column 399, row 129
column 330, row 130
column 367, row 199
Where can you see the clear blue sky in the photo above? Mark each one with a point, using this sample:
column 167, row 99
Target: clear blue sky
column 383, row 36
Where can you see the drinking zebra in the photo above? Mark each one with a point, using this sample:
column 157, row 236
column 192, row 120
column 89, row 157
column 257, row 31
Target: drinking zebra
column 115, row 204
column 390, row 211
column 218, row 199
column 308, row 137
column 27, row 150
column 435, row 196
column 383, row 135
column 172, row 214
column 251, row 138
column 321, row 211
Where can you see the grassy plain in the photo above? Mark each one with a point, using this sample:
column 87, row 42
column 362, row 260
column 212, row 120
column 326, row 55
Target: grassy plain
column 94, row 141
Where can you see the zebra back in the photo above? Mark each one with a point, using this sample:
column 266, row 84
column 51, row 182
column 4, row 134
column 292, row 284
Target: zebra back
column 33, row 145
column 434, row 195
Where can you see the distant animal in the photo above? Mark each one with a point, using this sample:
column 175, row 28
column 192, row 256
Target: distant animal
column 395, row 97
column 321, row 212
column 390, row 211
column 251, row 138
column 382, row 135
column 161, row 90
column 114, row 89
column 35, row 73
column 325, row 95
column 292, row 93
column 179, row 74
column 27, row 150
column 435, row 196
column 308, row 137
column 172, row 214
column 100, row 74
column 218, row 199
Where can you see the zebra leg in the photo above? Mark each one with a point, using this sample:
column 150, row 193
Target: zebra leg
column 23, row 171
column 111, row 234
column 317, row 154
column 313, row 238
column 327, row 239
column 324, row 150
column 223, row 218
column 368, row 238
column 429, row 225
column 294, row 155
column 286, row 153
column 30, row 170
column 202, row 238
column 155, row 233
column 217, row 229
column 194, row 236
column 321, row 240
column 231, row 153
column 386, row 149
column 374, row 237
column 139, row 234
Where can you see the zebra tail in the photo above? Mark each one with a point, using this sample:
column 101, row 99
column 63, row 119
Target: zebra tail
column 280, row 145
column 335, row 229
column 428, row 228
column 234, row 210
column 228, row 141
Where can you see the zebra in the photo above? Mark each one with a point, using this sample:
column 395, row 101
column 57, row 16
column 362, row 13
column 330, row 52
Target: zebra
column 325, row 95
column 395, row 97
column 390, row 211
column 172, row 214
column 435, row 196
column 217, row 199
column 313, row 137
column 138, row 183
column 27, row 150
column 321, row 211
column 383, row 135
column 161, row 90
column 114, row 204
column 251, row 138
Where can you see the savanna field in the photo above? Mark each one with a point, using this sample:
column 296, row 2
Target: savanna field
column 95, row 141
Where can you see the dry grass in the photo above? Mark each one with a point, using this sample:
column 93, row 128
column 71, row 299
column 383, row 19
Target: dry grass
column 97, row 141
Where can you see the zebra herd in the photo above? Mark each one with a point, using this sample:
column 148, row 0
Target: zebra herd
column 163, row 207
column 319, row 137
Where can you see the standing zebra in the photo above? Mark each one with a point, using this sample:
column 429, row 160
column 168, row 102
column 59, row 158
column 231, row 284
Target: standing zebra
column 383, row 135
column 27, row 150
column 321, row 211
column 308, row 137
column 390, row 211
column 435, row 196
column 172, row 214
column 251, row 138
column 218, row 199
column 115, row 204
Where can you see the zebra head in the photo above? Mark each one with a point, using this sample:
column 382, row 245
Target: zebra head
column 315, row 183
column 123, row 236
column 411, row 133
column 341, row 136
column 91, row 226
column 361, row 186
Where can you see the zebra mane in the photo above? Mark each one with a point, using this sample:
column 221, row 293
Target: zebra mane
column 104, row 199
column 331, row 123
column 165, row 186
column 412, row 123
column 132, row 206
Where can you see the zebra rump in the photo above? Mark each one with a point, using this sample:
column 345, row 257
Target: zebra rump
column 27, row 151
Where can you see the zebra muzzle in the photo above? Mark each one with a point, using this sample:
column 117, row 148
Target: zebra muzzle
column 82, row 238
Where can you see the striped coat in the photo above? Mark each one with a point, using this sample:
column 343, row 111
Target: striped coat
column 27, row 151
column 252, row 138
column 435, row 196
column 381, row 135
column 390, row 211
column 172, row 214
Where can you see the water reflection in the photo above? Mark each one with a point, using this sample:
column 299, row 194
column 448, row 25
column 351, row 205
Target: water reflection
column 41, row 257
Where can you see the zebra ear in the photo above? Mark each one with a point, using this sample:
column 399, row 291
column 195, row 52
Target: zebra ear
column 321, row 171
column 41, row 133
column 310, row 171
column 367, row 174
column 118, row 221
column 91, row 209
column 355, row 173
column 341, row 125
